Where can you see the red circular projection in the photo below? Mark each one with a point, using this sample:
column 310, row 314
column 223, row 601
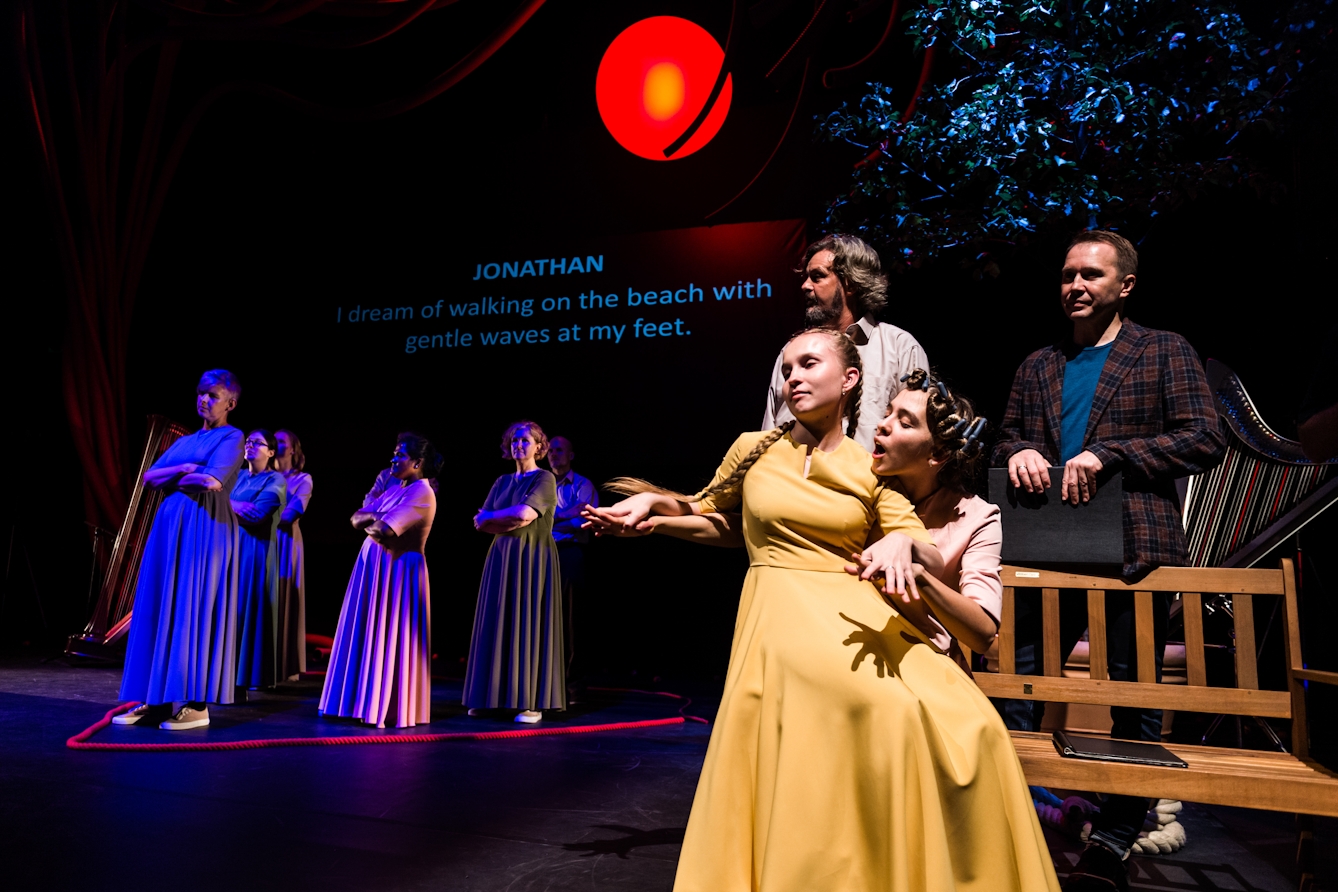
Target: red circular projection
column 654, row 79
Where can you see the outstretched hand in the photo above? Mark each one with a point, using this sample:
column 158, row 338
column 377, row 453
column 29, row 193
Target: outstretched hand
column 619, row 520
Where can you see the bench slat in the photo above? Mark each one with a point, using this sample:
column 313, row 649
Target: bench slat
column 1247, row 669
column 1097, row 665
column 1295, row 663
column 1317, row 675
column 1050, row 632
column 1007, row 637
column 1144, row 639
column 1244, row 778
column 1163, row 579
column 1195, row 662
column 1231, row 701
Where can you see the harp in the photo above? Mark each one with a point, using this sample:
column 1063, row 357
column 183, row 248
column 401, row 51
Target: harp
column 104, row 636
column 1264, row 491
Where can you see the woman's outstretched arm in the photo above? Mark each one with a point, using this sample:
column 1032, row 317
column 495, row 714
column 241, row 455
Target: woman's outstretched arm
column 623, row 518
column 707, row 528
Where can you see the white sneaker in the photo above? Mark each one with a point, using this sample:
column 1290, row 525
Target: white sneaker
column 475, row 712
column 529, row 716
column 140, row 713
column 187, row 718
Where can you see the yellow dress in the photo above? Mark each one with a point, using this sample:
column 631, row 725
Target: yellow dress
column 848, row 753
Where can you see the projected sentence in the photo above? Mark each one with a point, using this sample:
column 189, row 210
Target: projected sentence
column 616, row 316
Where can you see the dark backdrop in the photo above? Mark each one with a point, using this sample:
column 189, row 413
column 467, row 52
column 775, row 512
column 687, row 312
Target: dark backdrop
column 271, row 211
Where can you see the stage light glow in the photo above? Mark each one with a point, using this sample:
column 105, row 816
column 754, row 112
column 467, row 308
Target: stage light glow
column 654, row 80
column 662, row 93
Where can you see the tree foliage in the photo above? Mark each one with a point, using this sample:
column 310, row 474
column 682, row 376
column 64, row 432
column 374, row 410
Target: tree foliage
column 1068, row 115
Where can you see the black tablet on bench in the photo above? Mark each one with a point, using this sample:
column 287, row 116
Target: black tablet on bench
column 1041, row 531
column 1103, row 749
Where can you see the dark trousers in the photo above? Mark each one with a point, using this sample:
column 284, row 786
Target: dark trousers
column 571, row 561
column 1121, row 817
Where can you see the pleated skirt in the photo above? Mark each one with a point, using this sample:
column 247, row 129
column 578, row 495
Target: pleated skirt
column 516, row 651
column 292, row 603
column 381, row 661
column 183, row 634
column 257, row 595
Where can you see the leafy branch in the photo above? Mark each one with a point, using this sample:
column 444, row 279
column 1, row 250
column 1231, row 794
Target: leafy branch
column 1068, row 115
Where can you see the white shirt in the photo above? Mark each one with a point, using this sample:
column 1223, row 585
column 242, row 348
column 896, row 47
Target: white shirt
column 886, row 352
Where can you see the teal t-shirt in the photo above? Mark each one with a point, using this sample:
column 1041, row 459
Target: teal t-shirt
column 1081, row 375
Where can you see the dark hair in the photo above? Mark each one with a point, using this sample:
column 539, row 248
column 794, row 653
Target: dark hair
column 299, row 460
column 955, row 429
column 272, row 443
column 845, row 348
column 858, row 267
column 540, row 438
column 224, row 378
column 1126, row 255
column 420, row 448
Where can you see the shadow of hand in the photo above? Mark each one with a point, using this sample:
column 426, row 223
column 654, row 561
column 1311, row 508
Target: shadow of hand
column 877, row 645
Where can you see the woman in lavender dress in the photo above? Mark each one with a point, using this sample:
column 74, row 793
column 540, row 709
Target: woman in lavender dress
column 381, row 660
column 257, row 500
column 292, row 627
column 183, row 638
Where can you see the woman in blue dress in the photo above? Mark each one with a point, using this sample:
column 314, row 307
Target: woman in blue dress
column 183, row 638
column 257, row 500
column 292, row 626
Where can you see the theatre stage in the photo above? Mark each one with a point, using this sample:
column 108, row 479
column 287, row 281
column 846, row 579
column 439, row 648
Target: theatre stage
column 596, row 811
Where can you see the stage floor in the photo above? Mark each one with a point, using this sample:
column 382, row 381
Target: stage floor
column 602, row 811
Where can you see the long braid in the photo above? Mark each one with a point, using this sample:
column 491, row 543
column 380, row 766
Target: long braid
column 955, row 427
column 849, row 354
column 735, row 479
column 629, row 486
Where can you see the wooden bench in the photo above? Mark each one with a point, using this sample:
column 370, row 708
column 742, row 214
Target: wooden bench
column 1289, row 782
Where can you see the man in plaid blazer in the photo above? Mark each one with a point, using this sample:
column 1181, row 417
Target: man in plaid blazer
column 1116, row 405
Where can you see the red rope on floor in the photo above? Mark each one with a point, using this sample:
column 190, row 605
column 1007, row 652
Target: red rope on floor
column 80, row 741
column 687, row 701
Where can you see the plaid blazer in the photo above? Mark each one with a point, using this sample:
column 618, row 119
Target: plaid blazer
column 1152, row 419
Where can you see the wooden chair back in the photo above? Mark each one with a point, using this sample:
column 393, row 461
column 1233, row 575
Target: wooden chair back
column 1242, row 585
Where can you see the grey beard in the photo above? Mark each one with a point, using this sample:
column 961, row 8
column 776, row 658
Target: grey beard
column 818, row 316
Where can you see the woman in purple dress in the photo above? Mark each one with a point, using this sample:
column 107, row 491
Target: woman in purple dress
column 381, row 660
column 257, row 500
column 183, row 638
column 289, row 461
column 515, row 654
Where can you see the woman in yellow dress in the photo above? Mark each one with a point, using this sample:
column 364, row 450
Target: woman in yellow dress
column 849, row 753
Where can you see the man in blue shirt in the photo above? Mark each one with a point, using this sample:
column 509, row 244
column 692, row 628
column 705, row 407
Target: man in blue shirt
column 1131, row 405
column 574, row 493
